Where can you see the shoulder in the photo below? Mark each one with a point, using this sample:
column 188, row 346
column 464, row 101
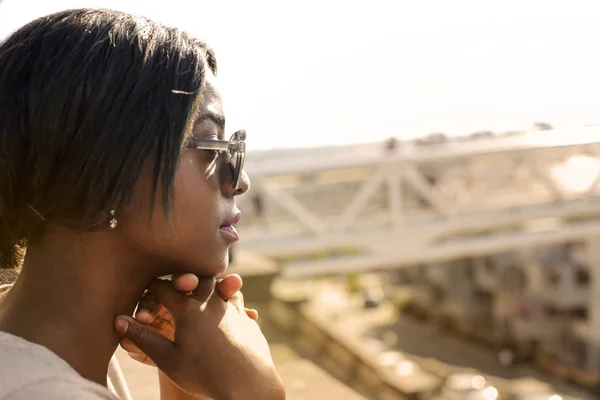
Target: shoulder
column 31, row 371
column 60, row 388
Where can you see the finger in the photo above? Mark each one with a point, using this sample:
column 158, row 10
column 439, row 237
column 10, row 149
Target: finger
column 166, row 295
column 160, row 350
column 184, row 283
column 147, row 310
column 229, row 285
column 128, row 346
column 252, row 313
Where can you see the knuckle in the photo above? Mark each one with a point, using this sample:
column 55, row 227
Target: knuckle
column 238, row 301
column 139, row 336
column 238, row 297
column 191, row 306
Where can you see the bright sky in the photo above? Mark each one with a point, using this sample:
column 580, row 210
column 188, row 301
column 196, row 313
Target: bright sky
column 331, row 72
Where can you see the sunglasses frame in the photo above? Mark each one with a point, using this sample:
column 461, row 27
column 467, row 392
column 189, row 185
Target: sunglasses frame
column 235, row 148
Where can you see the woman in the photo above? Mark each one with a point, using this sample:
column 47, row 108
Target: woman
column 114, row 171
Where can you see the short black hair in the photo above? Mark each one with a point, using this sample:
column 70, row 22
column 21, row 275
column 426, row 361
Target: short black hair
column 87, row 98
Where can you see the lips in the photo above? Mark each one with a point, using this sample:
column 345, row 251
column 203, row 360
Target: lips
column 228, row 229
column 233, row 220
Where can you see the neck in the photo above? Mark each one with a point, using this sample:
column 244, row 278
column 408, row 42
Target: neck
column 67, row 301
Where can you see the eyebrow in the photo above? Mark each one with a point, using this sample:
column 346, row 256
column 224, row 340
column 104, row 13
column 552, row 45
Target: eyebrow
column 218, row 119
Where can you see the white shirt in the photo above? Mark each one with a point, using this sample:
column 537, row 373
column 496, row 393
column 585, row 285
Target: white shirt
column 30, row 371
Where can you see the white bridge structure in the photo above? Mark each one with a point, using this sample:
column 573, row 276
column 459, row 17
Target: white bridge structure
column 364, row 208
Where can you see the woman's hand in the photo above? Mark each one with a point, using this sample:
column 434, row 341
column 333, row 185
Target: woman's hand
column 154, row 314
column 217, row 350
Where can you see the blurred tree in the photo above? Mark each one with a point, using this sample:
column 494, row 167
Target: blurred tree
column 353, row 282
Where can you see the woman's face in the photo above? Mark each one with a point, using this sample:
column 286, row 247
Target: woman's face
column 198, row 234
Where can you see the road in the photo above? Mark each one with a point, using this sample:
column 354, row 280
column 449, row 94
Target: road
column 458, row 353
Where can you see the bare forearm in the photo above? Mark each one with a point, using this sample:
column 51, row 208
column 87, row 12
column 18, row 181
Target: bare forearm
column 170, row 391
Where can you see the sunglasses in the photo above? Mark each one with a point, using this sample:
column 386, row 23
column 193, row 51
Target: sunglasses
column 234, row 149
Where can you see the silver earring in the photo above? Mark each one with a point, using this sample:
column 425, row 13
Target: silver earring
column 113, row 221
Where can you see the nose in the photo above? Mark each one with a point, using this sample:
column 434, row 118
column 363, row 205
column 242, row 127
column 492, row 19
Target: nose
column 227, row 182
column 243, row 184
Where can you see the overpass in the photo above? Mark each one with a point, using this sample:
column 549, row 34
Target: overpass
column 364, row 209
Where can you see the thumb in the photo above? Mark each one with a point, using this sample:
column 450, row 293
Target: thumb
column 157, row 347
column 229, row 285
column 184, row 283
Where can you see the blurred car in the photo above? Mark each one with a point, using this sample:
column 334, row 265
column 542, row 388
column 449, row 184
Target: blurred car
column 538, row 396
column 461, row 386
column 407, row 376
column 487, row 393
column 412, row 381
column 389, row 359
column 530, row 389
column 373, row 345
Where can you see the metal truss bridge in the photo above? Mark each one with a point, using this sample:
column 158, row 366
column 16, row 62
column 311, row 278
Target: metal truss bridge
column 363, row 208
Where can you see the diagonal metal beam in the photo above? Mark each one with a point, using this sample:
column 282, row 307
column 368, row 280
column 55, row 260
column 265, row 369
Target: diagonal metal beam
column 395, row 196
column 414, row 178
column 371, row 185
column 288, row 202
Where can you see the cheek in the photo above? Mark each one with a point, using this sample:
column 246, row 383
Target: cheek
column 196, row 199
column 193, row 228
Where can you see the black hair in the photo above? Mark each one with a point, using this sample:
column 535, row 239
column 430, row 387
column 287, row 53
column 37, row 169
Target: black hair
column 87, row 98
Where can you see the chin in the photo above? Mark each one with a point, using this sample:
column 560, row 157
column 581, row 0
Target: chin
column 203, row 268
column 212, row 271
column 215, row 267
column 223, row 268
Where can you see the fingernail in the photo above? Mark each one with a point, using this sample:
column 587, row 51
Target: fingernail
column 121, row 325
column 144, row 315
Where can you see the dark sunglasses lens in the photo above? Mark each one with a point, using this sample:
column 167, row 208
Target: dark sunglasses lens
column 237, row 165
column 237, row 159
